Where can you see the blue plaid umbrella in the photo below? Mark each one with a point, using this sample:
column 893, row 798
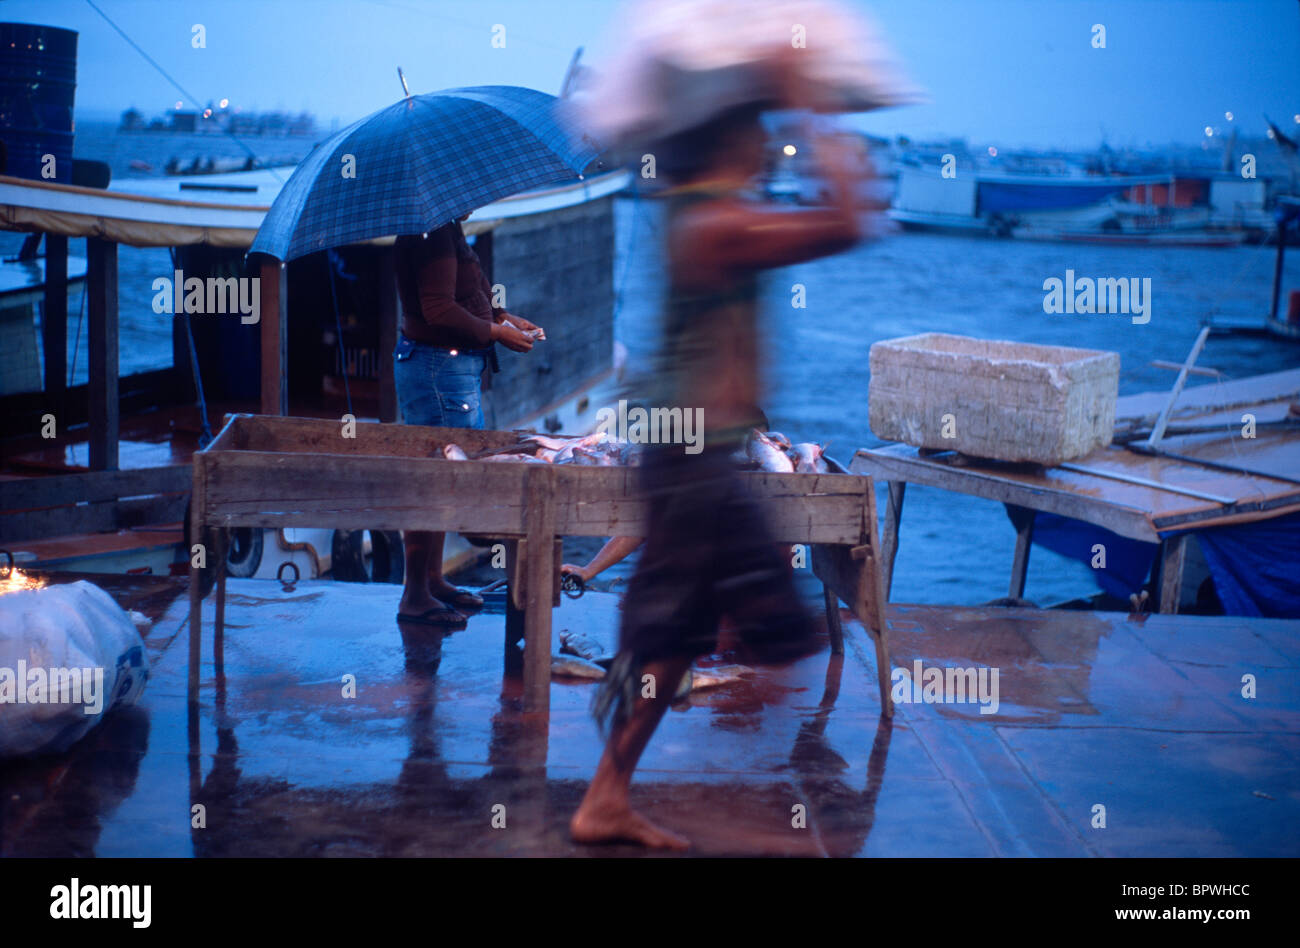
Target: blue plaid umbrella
column 419, row 164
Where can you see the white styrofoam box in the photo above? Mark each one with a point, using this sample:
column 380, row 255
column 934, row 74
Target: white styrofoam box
column 1010, row 401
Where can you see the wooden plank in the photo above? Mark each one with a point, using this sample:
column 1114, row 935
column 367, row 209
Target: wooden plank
column 389, row 308
column 889, row 540
column 325, row 436
column 1172, row 556
column 102, row 517
column 1129, row 522
column 101, row 348
column 274, row 337
column 54, row 323
column 1023, row 519
column 250, row 488
column 541, row 528
column 60, row 489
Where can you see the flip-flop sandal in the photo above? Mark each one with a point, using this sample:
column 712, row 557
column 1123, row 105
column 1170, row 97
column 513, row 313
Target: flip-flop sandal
column 439, row 618
column 464, row 599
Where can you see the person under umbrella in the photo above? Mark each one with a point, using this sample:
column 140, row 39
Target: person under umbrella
column 449, row 326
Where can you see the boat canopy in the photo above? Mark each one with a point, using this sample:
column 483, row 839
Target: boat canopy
column 997, row 197
column 222, row 210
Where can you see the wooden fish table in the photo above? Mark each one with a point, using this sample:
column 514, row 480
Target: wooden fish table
column 272, row 472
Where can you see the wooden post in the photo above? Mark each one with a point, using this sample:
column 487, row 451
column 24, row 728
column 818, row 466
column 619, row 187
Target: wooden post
column 1173, row 552
column 1023, row 519
column 219, row 619
column 889, row 542
column 196, row 586
column 275, row 327
column 873, row 579
column 101, row 286
column 515, row 627
column 389, row 308
column 871, row 614
column 539, row 519
column 54, row 322
column 833, row 624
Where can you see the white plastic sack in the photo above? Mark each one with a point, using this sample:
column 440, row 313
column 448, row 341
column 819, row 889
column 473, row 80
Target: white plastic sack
column 68, row 656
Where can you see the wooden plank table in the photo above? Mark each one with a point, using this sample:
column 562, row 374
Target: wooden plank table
column 1152, row 514
column 273, row 472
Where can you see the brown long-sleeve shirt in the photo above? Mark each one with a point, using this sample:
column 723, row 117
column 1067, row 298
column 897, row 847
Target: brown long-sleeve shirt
column 446, row 298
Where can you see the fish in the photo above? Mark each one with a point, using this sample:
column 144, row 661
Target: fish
column 575, row 643
column 806, row 458
column 454, row 452
column 571, row 666
column 525, row 458
column 768, row 455
column 779, row 439
column 545, row 441
column 718, row 676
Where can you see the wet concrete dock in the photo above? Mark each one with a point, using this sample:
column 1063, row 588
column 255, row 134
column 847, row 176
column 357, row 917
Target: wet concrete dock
column 1145, row 719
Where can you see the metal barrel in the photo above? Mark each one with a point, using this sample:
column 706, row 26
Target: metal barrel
column 38, row 80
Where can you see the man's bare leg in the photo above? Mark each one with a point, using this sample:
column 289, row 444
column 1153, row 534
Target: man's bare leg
column 421, row 547
column 606, row 814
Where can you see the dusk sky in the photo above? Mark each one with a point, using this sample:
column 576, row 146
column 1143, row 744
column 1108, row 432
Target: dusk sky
column 1011, row 72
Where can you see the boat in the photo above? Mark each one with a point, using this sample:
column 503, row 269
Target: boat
column 165, row 415
column 1210, row 210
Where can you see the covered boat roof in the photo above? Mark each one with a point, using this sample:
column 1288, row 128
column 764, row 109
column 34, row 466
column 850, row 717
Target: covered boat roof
column 223, row 210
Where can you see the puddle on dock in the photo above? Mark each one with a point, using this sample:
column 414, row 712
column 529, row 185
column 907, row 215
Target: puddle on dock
column 1147, row 720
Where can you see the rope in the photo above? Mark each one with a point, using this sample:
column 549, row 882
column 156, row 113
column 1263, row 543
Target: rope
column 205, row 432
column 181, row 89
column 76, row 341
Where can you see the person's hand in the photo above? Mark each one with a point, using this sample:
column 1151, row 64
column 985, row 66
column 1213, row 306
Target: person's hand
column 537, row 331
column 580, row 572
column 513, row 339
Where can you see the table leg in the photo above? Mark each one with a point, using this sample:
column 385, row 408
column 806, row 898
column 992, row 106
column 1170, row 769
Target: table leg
column 1173, row 551
column 514, row 658
column 889, row 542
column 196, row 618
column 538, row 584
column 219, row 620
column 1023, row 519
column 833, row 623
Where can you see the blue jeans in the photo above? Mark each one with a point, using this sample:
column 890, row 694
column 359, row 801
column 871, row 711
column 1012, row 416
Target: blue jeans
column 435, row 387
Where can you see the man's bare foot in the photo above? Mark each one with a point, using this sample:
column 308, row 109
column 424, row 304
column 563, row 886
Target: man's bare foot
column 621, row 825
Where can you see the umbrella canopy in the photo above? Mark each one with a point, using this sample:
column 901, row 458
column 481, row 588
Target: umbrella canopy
column 420, row 163
column 682, row 62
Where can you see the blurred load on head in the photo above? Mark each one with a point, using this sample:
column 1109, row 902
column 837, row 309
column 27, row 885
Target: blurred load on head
column 684, row 62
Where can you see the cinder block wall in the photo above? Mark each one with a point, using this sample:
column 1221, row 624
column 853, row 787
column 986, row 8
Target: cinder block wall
column 558, row 271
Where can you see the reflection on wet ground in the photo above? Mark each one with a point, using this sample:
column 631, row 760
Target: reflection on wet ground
column 432, row 754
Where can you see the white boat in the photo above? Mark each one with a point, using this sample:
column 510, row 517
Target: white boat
column 1204, row 210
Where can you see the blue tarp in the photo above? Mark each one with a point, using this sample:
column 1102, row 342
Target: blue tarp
column 1128, row 562
column 1256, row 566
column 997, row 197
